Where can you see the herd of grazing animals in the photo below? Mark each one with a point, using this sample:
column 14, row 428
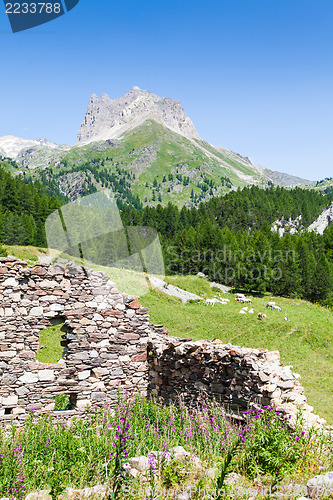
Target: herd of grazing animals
column 240, row 297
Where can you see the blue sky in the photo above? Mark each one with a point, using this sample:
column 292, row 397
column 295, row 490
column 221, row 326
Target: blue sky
column 255, row 76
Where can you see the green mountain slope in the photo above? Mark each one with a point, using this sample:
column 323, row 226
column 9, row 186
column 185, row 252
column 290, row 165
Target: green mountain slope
column 325, row 185
column 150, row 164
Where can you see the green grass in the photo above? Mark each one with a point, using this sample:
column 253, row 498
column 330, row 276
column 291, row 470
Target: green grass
column 304, row 342
column 30, row 254
column 193, row 284
column 50, row 339
column 24, row 253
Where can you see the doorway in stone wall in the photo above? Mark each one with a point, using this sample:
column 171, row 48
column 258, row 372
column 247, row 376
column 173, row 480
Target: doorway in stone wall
column 53, row 341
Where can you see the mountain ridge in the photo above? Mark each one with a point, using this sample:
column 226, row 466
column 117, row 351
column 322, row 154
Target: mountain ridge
column 142, row 145
column 11, row 146
column 108, row 118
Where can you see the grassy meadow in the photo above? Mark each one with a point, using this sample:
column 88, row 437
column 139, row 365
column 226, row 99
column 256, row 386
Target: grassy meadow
column 49, row 339
column 305, row 341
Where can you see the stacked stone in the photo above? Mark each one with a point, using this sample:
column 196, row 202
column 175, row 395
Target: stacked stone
column 105, row 338
column 238, row 377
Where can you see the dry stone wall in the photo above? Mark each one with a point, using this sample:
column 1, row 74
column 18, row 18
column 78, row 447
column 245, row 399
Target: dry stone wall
column 238, row 377
column 105, row 338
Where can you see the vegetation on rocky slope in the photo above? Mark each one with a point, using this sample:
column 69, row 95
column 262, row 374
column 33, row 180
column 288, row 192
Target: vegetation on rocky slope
column 151, row 163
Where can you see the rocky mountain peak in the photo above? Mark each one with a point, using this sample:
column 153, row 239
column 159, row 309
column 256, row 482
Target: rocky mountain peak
column 108, row 118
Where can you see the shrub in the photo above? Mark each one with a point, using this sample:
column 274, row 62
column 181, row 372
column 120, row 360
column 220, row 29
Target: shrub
column 270, row 446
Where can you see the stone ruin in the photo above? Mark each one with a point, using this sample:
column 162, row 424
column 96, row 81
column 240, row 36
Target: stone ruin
column 109, row 343
column 105, row 338
column 237, row 377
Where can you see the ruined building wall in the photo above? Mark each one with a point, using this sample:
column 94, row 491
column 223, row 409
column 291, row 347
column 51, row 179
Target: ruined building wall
column 238, row 377
column 106, row 334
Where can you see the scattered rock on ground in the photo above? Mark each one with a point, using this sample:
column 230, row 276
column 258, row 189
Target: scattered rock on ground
column 172, row 290
column 321, row 485
column 39, row 495
column 223, row 288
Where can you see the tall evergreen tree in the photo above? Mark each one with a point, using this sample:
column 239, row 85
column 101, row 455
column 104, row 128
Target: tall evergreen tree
column 322, row 285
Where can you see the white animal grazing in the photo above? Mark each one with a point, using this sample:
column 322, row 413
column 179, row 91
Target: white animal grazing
column 245, row 309
column 242, row 312
column 261, row 316
column 240, row 296
column 211, row 302
column 251, row 311
column 270, row 304
column 243, row 299
column 276, row 308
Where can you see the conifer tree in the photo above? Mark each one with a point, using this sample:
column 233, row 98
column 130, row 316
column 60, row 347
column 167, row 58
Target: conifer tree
column 323, row 281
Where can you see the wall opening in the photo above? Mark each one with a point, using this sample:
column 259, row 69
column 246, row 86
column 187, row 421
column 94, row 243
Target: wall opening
column 65, row 402
column 53, row 341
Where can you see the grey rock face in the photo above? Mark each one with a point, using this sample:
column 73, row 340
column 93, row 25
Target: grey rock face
column 283, row 225
column 325, row 219
column 110, row 118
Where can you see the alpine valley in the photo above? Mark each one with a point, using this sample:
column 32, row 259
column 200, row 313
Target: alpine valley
column 146, row 149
